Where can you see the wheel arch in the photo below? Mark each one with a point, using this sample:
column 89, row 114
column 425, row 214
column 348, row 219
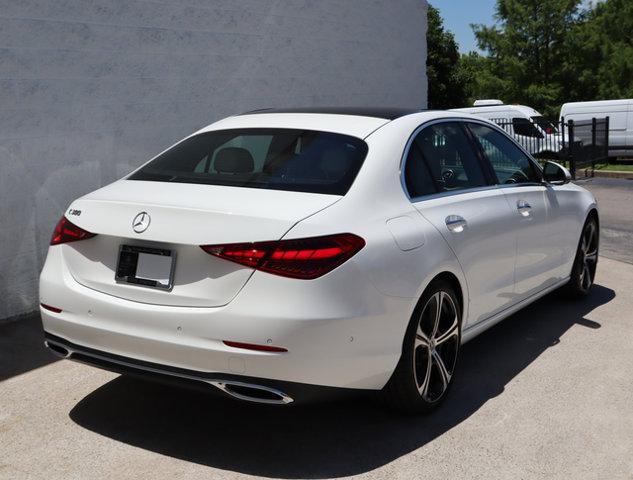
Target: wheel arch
column 459, row 286
column 593, row 212
column 454, row 282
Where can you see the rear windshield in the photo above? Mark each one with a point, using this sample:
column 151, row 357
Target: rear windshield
column 276, row 159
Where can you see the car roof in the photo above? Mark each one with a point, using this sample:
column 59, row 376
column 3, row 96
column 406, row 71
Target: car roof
column 359, row 122
column 599, row 103
column 387, row 113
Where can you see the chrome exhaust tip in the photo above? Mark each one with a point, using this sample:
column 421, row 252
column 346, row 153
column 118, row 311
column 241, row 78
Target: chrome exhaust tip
column 252, row 393
column 58, row 350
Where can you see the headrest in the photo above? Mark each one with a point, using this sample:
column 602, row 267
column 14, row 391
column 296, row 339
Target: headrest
column 234, row 160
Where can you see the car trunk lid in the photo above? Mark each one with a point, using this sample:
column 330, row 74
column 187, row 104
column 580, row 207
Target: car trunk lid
column 181, row 217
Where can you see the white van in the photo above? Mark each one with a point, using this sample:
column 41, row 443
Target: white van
column 534, row 132
column 620, row 113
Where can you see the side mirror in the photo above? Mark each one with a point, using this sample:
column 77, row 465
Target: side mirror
column 556, row 174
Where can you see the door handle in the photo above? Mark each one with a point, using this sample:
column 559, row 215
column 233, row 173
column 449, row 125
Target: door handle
column 456, row 223
column 524, row 208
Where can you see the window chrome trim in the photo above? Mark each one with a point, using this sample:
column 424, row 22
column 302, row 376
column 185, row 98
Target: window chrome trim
column 494, row 126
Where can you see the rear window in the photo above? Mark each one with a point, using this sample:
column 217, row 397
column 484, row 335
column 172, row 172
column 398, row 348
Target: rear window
column 276, row 159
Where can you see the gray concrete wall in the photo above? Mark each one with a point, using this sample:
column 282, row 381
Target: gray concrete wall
column 91, row 88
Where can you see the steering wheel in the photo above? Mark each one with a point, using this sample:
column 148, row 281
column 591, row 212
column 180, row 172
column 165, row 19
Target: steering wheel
column 517, row 177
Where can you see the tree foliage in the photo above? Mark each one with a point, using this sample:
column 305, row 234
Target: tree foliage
column 600, row 65
column 544, row 54
column 446, row 87
column 525, row 51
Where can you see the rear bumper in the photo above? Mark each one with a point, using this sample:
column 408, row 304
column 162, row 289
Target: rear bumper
column 339, row 333
column 251, row 389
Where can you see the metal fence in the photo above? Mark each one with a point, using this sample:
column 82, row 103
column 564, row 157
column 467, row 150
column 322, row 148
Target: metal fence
column 589, row 143
column 578, row 145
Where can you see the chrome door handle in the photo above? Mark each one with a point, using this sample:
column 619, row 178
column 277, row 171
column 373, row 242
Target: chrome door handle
column 455, row 223
column 524, row 208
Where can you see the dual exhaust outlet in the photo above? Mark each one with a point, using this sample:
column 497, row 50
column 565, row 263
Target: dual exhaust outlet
column 248, row 392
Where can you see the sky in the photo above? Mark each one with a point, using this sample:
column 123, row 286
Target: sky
column 459, row 14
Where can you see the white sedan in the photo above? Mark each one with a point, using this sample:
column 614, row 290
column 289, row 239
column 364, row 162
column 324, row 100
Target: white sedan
column 282, row 255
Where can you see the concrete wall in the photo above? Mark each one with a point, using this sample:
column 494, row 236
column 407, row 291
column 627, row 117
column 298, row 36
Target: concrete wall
column 91, row 88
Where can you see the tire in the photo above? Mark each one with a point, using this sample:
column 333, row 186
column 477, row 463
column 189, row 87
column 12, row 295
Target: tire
column 583, row 272
column 425, row 372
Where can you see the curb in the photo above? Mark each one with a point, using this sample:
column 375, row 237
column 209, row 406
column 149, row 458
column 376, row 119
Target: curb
column 610, row 174
column 613, row 174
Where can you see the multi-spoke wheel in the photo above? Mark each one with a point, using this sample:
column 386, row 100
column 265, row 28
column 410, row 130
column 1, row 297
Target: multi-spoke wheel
column 436, row 346
column 425, row 371
column 584, row 270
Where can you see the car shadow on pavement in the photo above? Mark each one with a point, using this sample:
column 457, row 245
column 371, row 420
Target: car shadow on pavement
column 326, row 440
column 22, row 346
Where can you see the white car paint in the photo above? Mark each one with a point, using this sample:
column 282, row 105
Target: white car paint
column 344, row 329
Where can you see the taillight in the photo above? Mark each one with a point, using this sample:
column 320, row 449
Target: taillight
column 66, row 231
column 304, row 258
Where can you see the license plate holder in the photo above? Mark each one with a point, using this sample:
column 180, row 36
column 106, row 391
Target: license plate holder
column 146, row 267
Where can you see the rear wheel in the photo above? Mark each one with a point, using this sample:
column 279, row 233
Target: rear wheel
column 429, row 355
column 584, row 270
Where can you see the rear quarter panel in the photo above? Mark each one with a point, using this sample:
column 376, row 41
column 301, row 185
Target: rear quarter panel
column 574, row 203
column 399, row 262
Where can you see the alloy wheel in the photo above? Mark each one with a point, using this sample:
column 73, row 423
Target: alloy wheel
column 588, row 256
column 436, row 346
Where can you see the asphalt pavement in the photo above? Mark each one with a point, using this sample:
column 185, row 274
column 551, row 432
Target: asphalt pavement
column 615, row 202
column 546, row 394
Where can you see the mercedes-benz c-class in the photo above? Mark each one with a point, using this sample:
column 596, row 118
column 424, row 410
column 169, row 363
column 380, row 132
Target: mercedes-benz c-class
column 286, row 255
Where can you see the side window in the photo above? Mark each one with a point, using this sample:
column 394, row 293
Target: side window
column 525, row 128
column 417, row 175
column 508, row 161
column 449, row 160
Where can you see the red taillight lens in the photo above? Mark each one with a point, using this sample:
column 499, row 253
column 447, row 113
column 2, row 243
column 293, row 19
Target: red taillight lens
column 66, row 231
column 305, row 258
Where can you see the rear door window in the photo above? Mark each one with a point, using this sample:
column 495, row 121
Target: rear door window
column 441, row 159
column 277, row 159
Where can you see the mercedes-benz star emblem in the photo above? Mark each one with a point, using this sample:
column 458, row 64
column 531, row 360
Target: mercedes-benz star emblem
column 141, row 222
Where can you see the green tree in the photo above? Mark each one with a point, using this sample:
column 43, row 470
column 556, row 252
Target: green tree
column 602, row 64
column 447, row 85
column 525, row 52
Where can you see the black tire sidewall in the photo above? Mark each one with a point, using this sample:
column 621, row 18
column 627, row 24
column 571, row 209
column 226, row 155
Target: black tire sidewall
column 402, row 383
column 574, row 285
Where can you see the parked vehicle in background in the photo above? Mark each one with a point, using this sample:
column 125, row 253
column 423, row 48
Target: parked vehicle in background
column 620, row 113
column 533, row 131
